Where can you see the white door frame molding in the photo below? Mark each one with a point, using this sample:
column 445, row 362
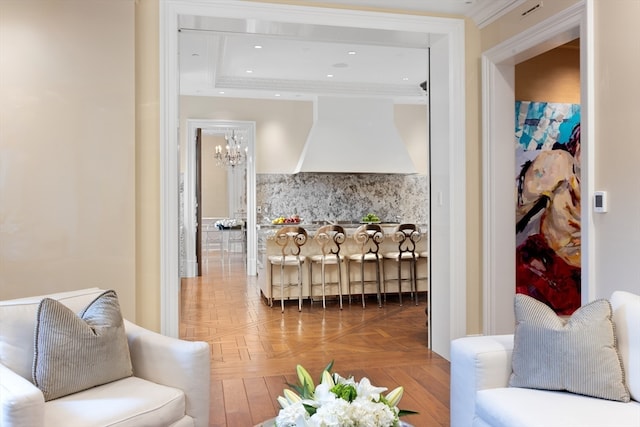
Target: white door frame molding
column 448, row 240
column 248, row 129
column 498, row 100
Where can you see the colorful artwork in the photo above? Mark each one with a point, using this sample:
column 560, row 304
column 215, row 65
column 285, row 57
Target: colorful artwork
column 548, row 262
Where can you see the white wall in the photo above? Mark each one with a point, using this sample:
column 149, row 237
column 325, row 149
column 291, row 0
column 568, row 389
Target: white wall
column 213, row 179
column 67, row 147
column 617, row 155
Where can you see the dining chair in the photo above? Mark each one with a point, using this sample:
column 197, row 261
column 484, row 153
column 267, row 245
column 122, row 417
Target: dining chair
column 329, row 239
column 290, row 239
column 406, row 236
column 368, row 237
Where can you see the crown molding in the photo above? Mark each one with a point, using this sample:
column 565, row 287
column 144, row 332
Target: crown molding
column 484, row 13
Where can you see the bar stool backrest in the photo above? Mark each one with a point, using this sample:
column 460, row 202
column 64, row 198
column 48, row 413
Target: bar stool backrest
column 369, row 237
column 291, row 239
column 407, row 236
column 330, row 238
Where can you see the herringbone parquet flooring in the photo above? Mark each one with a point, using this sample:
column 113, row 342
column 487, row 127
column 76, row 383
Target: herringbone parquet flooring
column 255, row 348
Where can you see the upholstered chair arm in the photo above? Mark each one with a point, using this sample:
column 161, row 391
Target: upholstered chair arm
column 21, row 402
column 177, row 363
column 477, row 363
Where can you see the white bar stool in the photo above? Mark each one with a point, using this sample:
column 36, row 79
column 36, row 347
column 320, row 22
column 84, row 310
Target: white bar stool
column 369, row 237
column 406, row 236
column 329, row 239
column 290, row 239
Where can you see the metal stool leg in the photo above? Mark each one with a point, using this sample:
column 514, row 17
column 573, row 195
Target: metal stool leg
column 324, row 304
column 362, row 279
column 340, row 282
column 282, row 285
column 378, row 282
column 399, row 261
column 299, row 286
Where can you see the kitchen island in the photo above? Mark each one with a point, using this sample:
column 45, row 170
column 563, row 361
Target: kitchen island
column 389, row 272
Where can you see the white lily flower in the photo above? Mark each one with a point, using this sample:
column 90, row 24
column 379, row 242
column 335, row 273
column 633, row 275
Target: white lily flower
column 291, row 396
column 283, row 402
column 320, row 407
column 327, row 378
column 394, row 396
column 343, row 380
column 367, row 391
column 305, row 379
column 323, row 393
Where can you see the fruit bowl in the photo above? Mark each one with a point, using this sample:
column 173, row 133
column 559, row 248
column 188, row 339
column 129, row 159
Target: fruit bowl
column 290, row 220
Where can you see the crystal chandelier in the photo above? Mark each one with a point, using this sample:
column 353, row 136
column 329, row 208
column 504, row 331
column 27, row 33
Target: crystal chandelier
column 234, row 154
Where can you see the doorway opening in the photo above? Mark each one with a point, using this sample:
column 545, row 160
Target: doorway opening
column 498, row 91
column 190, row 220
column 448, row 216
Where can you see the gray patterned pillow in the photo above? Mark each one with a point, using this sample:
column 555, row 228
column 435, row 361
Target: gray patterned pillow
column 77, row 352
column 578, row 355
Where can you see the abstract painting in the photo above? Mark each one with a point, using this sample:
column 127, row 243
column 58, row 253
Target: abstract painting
column 547, row 179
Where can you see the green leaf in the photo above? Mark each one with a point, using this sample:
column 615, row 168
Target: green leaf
column 310, row 409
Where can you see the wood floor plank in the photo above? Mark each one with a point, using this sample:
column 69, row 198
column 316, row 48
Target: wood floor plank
column 236, row 405
column 260, row 408
column 255, row 348
column 217, row 418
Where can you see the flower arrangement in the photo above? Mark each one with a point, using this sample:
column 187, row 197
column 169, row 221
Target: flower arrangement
column 338, row 401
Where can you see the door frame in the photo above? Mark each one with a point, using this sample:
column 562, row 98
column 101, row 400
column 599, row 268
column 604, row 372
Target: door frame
column 248, row 129
column 498, row 84
column 448, row 222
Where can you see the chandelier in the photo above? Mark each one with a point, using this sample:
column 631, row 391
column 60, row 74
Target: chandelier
column 234, row 154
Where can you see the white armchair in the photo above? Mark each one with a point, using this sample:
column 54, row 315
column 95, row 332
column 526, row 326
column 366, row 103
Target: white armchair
column 169, row 387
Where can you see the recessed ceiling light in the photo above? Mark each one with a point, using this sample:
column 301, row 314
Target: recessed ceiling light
column 405, row 79
column 249, row 71
column 257, row 46
column 329, row 75
column 221, row 92
column 351, row 52
column 276, row 95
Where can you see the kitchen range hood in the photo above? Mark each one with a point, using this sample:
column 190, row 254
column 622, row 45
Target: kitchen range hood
column 354, row 135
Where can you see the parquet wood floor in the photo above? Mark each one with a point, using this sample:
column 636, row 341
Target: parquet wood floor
column 255, row 348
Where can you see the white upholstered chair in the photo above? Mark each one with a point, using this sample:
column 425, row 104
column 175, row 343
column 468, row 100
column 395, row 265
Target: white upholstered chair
column 169, row 386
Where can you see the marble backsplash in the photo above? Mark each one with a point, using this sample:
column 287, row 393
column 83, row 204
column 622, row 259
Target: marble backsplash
column 343, row 197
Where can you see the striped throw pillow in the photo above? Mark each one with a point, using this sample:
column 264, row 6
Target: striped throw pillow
column 76, row 352
column 577, row 354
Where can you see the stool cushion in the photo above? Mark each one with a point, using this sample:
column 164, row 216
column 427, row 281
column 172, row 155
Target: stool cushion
column 329, row 259
column 360, row 257
column 396, row 255
column 288, row 259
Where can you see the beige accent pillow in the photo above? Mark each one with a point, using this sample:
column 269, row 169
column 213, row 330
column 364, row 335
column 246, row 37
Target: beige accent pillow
column 77, row 352
column 578, row 354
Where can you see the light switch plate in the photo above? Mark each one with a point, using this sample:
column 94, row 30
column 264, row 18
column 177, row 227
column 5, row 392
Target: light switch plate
column 600, row 202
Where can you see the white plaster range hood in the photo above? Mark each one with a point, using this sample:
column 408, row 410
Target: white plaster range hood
column 354, row 135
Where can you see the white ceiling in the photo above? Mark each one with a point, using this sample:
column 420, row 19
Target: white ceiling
column 220, row 57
